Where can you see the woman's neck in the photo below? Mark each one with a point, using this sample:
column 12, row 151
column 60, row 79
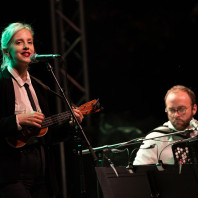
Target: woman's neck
column 22, row 71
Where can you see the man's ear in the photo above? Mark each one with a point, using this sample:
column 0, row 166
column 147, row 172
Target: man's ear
column 194, row 109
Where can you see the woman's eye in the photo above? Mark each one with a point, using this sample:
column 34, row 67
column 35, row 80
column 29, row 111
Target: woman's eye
column 18, row 42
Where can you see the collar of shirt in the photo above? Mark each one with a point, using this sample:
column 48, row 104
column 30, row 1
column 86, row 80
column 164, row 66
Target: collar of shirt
column 18, row 78
column 188, row 133
column 22, row 102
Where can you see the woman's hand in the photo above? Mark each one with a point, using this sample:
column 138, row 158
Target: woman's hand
column 78, row 114
column 31, row 119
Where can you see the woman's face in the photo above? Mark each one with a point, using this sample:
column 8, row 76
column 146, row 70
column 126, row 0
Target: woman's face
column 21, row 48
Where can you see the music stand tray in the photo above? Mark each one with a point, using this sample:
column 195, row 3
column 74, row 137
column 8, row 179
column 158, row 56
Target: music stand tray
column 147, row 181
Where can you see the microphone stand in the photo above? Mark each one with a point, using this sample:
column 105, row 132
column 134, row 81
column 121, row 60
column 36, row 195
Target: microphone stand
column 72, row 113
column 49, row 67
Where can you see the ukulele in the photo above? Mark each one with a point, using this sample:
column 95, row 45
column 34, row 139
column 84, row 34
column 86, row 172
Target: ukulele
column 28, row 132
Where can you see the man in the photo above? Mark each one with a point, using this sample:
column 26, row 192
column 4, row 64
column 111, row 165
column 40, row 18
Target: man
column 181, row 106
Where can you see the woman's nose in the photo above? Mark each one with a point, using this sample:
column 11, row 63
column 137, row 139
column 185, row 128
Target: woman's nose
column 26, row 46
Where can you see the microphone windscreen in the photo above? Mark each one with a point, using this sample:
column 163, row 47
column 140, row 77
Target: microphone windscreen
column 33, row 58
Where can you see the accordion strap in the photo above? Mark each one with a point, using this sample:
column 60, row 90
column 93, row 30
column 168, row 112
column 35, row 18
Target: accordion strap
column 165, row 130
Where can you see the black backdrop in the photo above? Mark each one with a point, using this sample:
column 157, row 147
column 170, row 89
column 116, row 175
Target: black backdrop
column 136, row 51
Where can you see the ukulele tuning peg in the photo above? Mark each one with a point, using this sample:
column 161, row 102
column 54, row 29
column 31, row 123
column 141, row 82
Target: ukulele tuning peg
column 96, row 106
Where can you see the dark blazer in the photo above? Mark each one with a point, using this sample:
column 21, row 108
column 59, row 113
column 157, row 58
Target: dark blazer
column 10, row 157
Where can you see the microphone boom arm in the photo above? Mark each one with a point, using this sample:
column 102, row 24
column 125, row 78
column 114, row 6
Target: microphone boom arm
column 131, row 142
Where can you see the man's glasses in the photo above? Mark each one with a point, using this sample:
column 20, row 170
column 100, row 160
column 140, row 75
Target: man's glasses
column 180, row 110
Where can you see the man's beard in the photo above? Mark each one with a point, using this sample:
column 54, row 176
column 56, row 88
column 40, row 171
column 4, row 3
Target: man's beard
column 181, row 124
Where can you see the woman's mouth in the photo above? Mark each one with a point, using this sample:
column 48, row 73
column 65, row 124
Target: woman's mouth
column 26, row 54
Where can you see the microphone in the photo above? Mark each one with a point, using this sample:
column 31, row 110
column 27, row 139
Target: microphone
column 44, row 57
column 194, row 123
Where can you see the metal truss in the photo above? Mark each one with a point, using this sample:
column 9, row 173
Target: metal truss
column 68, row 33
column 68, row 39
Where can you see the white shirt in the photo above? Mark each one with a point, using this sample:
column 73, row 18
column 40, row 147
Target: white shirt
column 162, row 148
column 22, row 102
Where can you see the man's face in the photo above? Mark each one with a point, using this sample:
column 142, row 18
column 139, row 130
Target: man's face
column 179, row 109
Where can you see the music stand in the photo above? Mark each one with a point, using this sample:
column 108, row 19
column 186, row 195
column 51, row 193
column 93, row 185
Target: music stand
column 148, row 181
column 126, row 185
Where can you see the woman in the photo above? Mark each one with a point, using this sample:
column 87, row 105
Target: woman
column 24, row 171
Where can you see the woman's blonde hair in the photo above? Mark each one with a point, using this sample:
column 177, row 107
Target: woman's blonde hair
column 6, row 38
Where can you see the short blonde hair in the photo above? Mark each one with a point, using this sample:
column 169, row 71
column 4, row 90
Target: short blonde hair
column 6, row 38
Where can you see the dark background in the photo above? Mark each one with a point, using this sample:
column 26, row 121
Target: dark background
column 136, row 51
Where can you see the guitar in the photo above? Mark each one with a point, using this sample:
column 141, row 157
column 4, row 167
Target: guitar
column 27, row 133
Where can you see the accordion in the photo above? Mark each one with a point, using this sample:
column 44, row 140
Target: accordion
column 186, row 152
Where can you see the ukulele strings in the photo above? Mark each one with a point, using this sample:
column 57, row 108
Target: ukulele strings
column 56, row 119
